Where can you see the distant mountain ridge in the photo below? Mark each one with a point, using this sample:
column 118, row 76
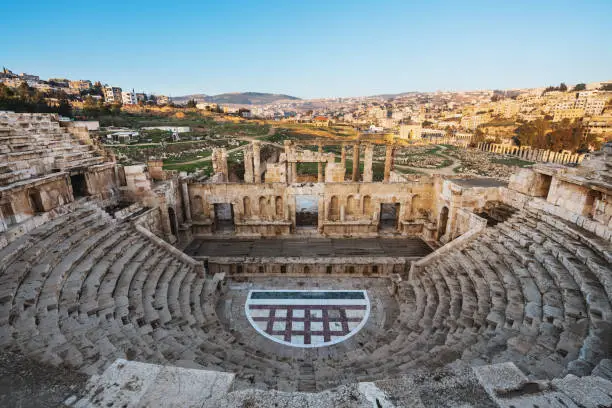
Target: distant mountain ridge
column 237, row 98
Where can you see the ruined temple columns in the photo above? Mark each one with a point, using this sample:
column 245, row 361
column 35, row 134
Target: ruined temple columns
column 388, row 162
column 367, row 163
column 343, row 155
column 257, row 161
column 293, row 172
column 320, row 166
column 355, row 162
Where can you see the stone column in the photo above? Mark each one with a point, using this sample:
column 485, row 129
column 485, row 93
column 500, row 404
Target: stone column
column 355, row 162
column 320, row 165
column 185, row 197
column 388, row 162
column 343, row 155
column 248, row 165
column 367, row 163
column 293, row 172
column 220, row 161
column 257, row 161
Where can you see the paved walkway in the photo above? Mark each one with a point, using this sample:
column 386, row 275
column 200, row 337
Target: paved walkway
column 309, row 247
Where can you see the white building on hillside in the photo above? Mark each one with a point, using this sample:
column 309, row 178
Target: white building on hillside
column 129, row 98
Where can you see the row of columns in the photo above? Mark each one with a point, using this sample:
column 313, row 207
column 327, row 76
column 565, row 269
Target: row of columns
column 367, row 175
column 536, row 155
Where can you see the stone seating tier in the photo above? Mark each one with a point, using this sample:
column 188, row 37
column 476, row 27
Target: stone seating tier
column 36, row 143
column 84, row 289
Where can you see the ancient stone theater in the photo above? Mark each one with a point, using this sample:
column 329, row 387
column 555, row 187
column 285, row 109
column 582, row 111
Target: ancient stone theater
column 151, row 288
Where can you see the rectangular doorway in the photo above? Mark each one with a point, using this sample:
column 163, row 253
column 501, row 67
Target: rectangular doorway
column 79, row 185
column 224, row 217
column 389, row 213
column 307, row 211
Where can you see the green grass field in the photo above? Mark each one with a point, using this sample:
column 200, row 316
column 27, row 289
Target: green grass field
column 513, row 162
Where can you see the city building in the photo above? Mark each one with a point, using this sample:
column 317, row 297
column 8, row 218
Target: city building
column 320, row 121
column 571, row 114
column 80, row 85
column 129, row 98
column 162, row 100
column 410, row 131
column 112, row 94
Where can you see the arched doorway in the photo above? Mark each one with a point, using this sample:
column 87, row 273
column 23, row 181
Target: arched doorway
column 443, row 221
column 173, row 222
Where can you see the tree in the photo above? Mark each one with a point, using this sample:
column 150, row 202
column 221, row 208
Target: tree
column 64, row 108
column 579, row 87
column 563, row 87
column 192, row 104
column 115, row 109
column 479, row 136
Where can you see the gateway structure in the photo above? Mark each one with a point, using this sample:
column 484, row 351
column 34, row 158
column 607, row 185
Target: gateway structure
column 504, row 290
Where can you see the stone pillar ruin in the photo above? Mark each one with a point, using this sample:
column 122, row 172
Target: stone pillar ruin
column 367, row 163
column 320, row 166
column 219, row 158
column 185, row 197
column 355, row 162
column 343, row 155
column 388, row 162
column 248, row 166
column 293, row 178
column 256, row 161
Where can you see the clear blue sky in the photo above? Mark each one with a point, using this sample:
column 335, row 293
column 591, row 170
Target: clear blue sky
column 310, row 48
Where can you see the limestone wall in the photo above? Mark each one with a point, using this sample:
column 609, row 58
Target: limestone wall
column 23, row 200
column 457, row 198
column 574, row 198
column 531, row 183
column 343, row 208
column 101, row 181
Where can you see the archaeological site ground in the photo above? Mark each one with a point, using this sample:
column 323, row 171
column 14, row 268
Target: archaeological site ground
column 329, row 274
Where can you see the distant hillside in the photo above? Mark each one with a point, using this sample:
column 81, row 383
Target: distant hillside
column 183, row 99
column 237, row 98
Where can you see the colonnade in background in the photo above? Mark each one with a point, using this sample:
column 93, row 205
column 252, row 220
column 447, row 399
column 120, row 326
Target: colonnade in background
column 529, row 154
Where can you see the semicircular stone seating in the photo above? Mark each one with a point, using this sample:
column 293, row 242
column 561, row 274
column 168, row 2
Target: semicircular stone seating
column 84, row 289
